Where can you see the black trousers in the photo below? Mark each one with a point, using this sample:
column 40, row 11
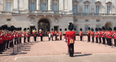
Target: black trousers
column 81, row 38
column 4, row 44
column 96, row 39
column 35, row 38
column 41, row 38
column 1, row 47
column 52, row 37
column 60, row 38
column 110, row 42
column 75, row 38
column 88, row 38
column 49, row 38
column 93, row 39
column 107, row 41
column 55, row 37
column 7, row 43
column 16, row 40
column 103, row 38
column 28, row 39
column 114, row 42
column 11, row 44
column 24, row 39
column 99, row 39
column 20, row 40
column 71, row 49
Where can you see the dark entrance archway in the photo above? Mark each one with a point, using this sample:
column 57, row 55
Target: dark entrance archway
column 44, row 24
column 108, row 24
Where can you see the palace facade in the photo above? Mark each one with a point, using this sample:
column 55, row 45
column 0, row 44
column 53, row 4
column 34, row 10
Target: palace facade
column 47, row 14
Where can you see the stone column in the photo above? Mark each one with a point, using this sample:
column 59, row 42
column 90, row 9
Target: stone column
column 26, row 4
column 66, row 5
column 38, row 5
column 49, row 4
column 70, row 6
column 61, row 5
column 21, row 4
column 15, row 4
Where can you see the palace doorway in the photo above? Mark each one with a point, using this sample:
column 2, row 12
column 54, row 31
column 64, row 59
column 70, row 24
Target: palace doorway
column 108, row 24
column 44, row 25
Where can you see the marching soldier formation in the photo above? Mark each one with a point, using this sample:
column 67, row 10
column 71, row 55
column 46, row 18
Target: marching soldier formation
column 10, row 36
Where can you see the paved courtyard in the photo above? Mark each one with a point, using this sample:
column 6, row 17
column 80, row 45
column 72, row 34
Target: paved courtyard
column 55, row 51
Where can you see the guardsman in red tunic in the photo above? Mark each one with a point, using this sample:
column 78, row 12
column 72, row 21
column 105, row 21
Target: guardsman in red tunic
column 28, row 35
column 20, row 34
column 56, row 33
column 24, row 35
column 35, row 34
column 75, row 34
column 100, row 32
column 92, row 35
column 114, row 35
column 1, row 41
column 81, row 34
column 41, row 34
column 106, row 34
column 65, row 33
column 96, row 35
column 60, row 34
column 103, row 35
column 70, row 35
column 52, row 34
column 88, row 34
column 109, row 36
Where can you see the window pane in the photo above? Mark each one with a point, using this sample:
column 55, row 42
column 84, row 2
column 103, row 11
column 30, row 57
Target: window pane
column 86, row 20
column 75, row 20
column 8, row 8
column 86, row 28
column 44, row 7
column 97, row 26
column 32, row 6
column 97, row 9
column 74, row 8
column 97, row 20
column 108, row 9
column 86, row 9
column 54, row 7
column 75, row 27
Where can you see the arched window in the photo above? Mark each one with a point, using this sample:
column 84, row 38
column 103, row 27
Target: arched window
column 32, row 4
column 55, row 4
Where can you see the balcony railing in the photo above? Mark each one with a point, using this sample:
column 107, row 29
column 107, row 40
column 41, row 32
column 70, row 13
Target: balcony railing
column 94, row 14
column 55, row 12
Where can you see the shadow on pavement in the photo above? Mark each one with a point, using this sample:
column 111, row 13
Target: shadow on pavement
column 82, row 55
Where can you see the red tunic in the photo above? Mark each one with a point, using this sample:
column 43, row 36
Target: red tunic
column 81, row 33
column 48, row 33
column 75, row 33
column 56, row 32
column 52, row 32
column 109, row 34
column 89, row 33
column 100, row 34
column 1, row 39
column 28, row 34
column 40, row 33
column 96, row 34
column 34, row 33
column 69, row 35
column 24, row 34
column 103, row 33
column 60, row 34
column 114, row 33
column 92, row 33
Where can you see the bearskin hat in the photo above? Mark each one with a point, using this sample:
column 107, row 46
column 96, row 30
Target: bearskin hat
column 60, row 29
column 88, row 28
column 114, row 28
column 80, row 29
column 65, row 29
column 71, row 26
